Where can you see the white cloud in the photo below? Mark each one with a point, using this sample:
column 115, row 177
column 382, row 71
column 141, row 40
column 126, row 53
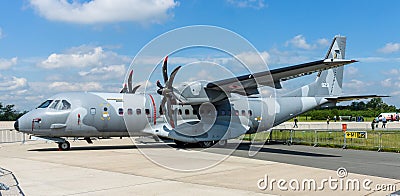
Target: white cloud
column 81, row 86
column 7, row 63
column 255, row 4
column 323, row 42
column 390, row 48
column 351, row 71
column 252, row 58
column 104, row 11
column 105, row 73
column 285, row 57
column 12, row 83
column 393, row 72
column 83, row 56
column 387, row 82
column 354, row 85
column 299, row 41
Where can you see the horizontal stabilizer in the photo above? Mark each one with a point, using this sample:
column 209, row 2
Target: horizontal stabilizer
column 356, row 97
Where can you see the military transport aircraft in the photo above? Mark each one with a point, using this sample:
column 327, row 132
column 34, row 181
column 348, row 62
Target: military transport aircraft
column 201, row 112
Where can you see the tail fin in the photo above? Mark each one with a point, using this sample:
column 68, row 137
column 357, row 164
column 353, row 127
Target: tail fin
column 328, row 82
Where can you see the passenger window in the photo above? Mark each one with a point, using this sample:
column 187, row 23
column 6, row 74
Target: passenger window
column 250, row 113
column 180, row 112
column 121, row 111
column 92, row 111
column 54, row 104
column 130, row 111
column 45, row 104
column 187, row 112
column 236, row 112
column 243, row 113
column 147, row 111
column 138, row 111
column 65, row 105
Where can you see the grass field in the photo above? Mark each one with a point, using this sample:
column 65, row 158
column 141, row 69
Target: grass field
column 388, row 141
column 308, row 119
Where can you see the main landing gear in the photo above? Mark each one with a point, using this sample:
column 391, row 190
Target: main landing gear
column 64, row 145
column 208, row 144
column 203, row 144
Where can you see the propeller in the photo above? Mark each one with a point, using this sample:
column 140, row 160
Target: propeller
column 128, row 88
column 167, row 91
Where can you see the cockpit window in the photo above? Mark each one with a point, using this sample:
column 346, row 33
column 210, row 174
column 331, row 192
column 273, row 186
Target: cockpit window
column 65, row 105
column 45, row 104
column 54, row 104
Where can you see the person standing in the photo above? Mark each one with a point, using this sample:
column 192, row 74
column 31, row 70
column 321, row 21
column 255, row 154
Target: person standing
column 327, row 120
column 373, row 124
column 295, row 122
column 384, row 121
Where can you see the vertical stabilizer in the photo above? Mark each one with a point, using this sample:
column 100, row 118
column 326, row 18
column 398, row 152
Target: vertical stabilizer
column 328, row 82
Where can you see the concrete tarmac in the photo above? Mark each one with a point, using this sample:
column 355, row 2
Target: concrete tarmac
column 382, row 164
column 118, row 167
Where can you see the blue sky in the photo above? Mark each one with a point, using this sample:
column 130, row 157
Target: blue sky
column 52, row 46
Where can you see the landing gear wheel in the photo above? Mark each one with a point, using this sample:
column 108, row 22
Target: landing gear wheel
column 222, row 143
column 64, row 145
column 206, row 144
column 180, row 144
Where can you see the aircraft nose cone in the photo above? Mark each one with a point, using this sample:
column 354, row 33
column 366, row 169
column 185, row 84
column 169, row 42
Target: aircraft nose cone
column 16, row 125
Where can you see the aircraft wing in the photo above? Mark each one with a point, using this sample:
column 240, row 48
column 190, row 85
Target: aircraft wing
column 247, row 85
column 356, row 97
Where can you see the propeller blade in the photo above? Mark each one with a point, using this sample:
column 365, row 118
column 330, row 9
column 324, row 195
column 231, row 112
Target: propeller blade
column 159, row 85
column 170, row 113
column 135, row 89
column 130, row 82
column 164, row 69
column 172, row 77
column 125, row 89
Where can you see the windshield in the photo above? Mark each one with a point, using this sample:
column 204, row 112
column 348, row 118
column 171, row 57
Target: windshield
column 54, row 104
column 45, row 104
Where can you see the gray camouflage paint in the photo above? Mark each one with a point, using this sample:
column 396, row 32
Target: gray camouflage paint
column 97, row 114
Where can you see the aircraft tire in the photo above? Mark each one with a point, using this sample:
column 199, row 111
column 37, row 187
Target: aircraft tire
column 222, row 143
column 64, row 145
column 206, row 144
column 180, row 144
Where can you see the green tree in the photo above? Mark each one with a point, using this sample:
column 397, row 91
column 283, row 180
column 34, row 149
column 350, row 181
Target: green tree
column 8, row 113
column 375, row 103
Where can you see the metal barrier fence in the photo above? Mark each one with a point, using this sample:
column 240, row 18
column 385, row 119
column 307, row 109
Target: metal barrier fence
column 11, row 135
column 375, row 140
column 9, row 184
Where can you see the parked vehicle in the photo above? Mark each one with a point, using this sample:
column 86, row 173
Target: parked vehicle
column 390, row 116
column 357, row 118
